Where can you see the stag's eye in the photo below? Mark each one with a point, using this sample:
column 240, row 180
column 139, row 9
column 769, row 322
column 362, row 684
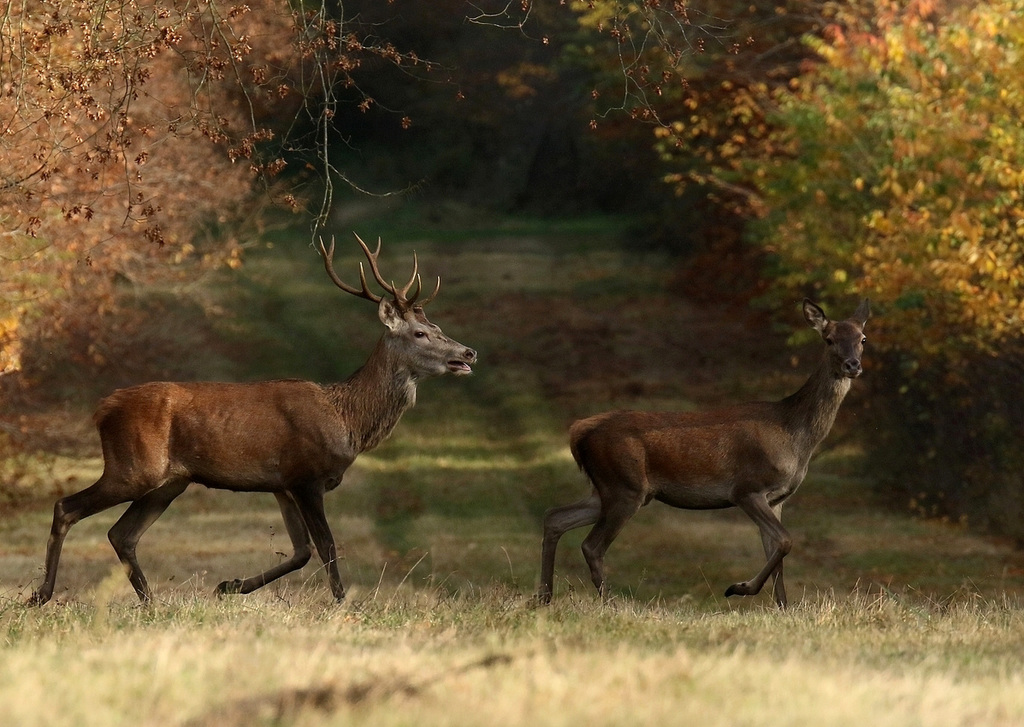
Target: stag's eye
column 863, row 340
column 420, row 334
column 829, row 340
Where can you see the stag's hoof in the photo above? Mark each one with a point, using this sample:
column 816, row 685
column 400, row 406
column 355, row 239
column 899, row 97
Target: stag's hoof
column 37, row 599
column 229, row 587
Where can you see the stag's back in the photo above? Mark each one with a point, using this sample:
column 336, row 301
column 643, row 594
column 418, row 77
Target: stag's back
column 252, row 436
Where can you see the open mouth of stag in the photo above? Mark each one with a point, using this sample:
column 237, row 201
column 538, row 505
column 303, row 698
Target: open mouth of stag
column 459, row 368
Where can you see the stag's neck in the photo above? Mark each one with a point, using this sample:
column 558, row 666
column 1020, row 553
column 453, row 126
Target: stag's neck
column 373, row 399
column 812, row 410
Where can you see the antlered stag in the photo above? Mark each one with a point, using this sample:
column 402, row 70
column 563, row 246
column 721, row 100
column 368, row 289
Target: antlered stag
column 294, row 439
column 751, row 456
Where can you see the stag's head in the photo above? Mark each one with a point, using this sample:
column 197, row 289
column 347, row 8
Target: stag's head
column 844, row 339
column 419, row 343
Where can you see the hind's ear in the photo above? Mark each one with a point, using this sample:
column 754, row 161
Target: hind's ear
column 862, row 313
column 815, row 316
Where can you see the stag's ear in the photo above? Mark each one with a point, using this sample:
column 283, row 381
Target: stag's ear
column 389, row 314
column 863, row 311
column 815, row 316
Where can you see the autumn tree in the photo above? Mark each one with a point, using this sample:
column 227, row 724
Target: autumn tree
column 105, row 172
column 688, row 77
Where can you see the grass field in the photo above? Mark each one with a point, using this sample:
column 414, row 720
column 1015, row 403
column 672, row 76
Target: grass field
column 894, row 620
column 415, row 656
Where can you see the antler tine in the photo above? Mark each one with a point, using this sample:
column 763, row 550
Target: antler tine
column 328, row 256
column 419, row 289
column 414, row 279
column 366, row 288
column 372, row 258
column 401, row 295
column 432, row 295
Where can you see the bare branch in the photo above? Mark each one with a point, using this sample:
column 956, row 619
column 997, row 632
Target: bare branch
column 506, row 18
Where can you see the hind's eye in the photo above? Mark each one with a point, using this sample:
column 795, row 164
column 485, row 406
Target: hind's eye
column 863, row 340
column 829, row 341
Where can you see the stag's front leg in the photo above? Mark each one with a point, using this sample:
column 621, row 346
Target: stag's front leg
column 773, row 535
column 311, row 505
column 301, row 551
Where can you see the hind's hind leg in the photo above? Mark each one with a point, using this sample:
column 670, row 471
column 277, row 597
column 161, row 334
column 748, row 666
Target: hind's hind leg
column 613, row 517
column 557, row 522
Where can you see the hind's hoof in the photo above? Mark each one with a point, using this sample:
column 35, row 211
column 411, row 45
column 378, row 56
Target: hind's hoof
column 229, row 587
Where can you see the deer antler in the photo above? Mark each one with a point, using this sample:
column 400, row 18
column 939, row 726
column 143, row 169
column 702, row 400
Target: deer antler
column 432, row 295
column 328, row 256
column 401, row 296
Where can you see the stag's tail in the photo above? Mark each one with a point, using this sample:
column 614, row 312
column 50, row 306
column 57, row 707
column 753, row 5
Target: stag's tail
column 579, row 438
column 107, row 407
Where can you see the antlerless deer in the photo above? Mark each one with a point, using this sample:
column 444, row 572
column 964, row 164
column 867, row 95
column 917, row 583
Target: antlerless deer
column 751, row 456
column 294, row 439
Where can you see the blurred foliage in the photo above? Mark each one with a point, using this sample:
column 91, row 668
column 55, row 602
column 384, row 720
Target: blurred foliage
column 712, row 119
column 121, row 125
column 502, row 120
column 102, row 180
column 897, row 173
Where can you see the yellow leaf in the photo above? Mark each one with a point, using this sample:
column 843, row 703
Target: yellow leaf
column 10, row 345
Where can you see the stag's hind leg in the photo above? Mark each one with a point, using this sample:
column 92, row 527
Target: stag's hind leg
column 299, row 536
column 69, row 510
column 135, row 521
column 557, row 522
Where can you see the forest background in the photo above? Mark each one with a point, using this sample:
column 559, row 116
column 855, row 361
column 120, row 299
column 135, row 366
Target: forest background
column 775, row 151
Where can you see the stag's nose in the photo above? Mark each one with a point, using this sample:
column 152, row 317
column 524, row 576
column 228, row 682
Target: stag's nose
column 851, row 367
column 470, row 355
